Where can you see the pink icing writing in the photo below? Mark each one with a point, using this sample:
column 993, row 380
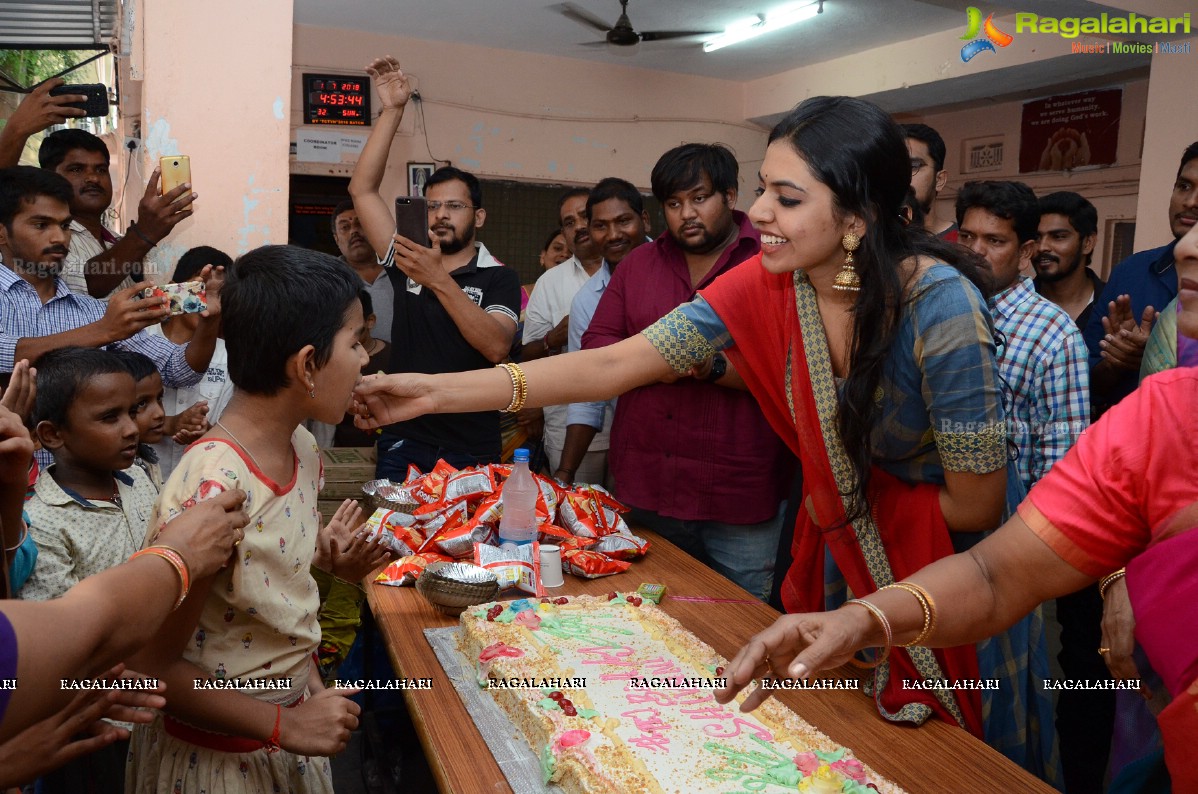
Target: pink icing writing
column 572, row 738
column 528, row 620
column 708, row 713
column 617, row 656
column 492, row 652
column 652, row 742
column 660, row 667
column 738, row 724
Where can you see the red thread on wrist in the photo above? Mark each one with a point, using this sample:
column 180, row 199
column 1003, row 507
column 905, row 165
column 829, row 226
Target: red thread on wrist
column 272, row 744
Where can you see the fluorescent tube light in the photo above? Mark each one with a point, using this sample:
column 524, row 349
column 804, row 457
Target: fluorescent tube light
column 763, row 23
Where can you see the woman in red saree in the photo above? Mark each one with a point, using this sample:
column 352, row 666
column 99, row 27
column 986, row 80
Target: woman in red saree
column 1134, row 473
column 888, row 392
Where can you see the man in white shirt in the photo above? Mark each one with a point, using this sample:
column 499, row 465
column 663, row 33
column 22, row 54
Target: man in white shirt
column 547, row 325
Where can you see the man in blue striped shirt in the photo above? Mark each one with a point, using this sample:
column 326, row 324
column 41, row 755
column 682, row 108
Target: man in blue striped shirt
column 39, row 314
column 1042, row 357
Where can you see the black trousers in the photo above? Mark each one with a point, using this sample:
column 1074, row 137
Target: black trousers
column 1085, row 718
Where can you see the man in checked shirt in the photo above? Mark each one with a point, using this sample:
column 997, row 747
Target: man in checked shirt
column 1042, row 358
column 38, row 313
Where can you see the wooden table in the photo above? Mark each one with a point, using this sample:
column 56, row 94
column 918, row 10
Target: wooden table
column 935, row 757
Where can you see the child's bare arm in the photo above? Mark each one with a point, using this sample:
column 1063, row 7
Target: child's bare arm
column 16, row 450
column 319, row 727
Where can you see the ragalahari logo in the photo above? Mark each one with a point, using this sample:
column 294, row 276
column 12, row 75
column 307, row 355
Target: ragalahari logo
column 976, row 45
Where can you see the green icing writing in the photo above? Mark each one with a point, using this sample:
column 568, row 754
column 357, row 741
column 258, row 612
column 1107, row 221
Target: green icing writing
column 548, row 763
column 587, row 714
column 549, row 704
column 754, row 770
column 576, row 628
column 506, row 616
column 853, row 787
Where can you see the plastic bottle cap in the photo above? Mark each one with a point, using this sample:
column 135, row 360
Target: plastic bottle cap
column 520, row 455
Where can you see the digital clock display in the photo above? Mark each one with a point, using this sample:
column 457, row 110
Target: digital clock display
column 336, row 99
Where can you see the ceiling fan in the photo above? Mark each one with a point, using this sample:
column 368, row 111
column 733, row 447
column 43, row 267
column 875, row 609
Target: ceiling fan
column 622, row 33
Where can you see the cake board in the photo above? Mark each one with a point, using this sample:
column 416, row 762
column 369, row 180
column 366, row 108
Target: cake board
column 519, row 763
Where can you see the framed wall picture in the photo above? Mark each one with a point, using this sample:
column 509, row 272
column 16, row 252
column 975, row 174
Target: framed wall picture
column 418, row 174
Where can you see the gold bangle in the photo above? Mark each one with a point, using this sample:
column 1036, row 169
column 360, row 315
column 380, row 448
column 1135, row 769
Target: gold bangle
column 1109, row 580
column 21, row 542
column 176, row 562
column 519, row 387
column 879, row 616
column 925, row 603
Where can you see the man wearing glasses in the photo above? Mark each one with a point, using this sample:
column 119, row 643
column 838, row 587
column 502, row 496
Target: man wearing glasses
column 928, row 177
column 456, row 306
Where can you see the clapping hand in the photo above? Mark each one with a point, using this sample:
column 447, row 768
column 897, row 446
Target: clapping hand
column 21, row 393
column 191, row 423
column 1123, row 345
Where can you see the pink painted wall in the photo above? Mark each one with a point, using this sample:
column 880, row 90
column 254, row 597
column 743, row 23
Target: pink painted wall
column 1172, row 125
column 1112, row 190
column 202, row 95
column 506, row 114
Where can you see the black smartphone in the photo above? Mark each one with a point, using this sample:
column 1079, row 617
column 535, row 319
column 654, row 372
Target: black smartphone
column 96, row 104
column 411, row 219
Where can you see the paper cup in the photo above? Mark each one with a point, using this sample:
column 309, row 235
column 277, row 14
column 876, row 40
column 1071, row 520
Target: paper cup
column 551, row 566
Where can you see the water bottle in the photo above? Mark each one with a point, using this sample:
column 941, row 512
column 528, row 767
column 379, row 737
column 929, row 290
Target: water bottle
column 519, row 522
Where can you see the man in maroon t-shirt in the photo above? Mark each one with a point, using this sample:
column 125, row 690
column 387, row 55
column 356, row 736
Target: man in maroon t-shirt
column 695, row 458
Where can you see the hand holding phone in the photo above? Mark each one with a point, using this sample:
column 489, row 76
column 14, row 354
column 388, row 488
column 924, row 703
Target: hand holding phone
column 411, row 219
column 188, row 297
column 96, row 104
column 176, row 172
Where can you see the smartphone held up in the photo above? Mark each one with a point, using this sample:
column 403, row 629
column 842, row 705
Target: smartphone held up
column 176, row 171
column 411, row 219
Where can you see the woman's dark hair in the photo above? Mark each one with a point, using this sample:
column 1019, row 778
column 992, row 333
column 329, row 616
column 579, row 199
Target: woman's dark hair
column 277, row 299
column 553, row 235
column 62, row 374
column 192, row 262
column 860, row 154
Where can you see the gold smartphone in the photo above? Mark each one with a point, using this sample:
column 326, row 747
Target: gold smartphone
column 176, row 171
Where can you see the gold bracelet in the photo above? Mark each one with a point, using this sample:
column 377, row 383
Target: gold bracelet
column 925, row 603
column 176, row 562
column 519, row 387
column 21, row 542
column 1109, row 580
column 879, row 616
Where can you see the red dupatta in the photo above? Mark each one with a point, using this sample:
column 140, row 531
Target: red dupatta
column 789, row 372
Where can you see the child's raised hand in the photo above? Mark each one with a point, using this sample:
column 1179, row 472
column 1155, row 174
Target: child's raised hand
column 16, row 450
column 191, row 423
column 206, row 534
column 321, row 725
column 22, row 390
column 342, row 548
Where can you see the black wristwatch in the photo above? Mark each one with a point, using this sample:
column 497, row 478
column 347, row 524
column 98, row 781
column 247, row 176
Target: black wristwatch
column 719, row 367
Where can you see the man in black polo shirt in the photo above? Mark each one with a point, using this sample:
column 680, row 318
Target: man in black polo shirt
column 456, row 306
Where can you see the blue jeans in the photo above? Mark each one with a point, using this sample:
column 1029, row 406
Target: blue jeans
column 395, row 454
column 744, row 553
